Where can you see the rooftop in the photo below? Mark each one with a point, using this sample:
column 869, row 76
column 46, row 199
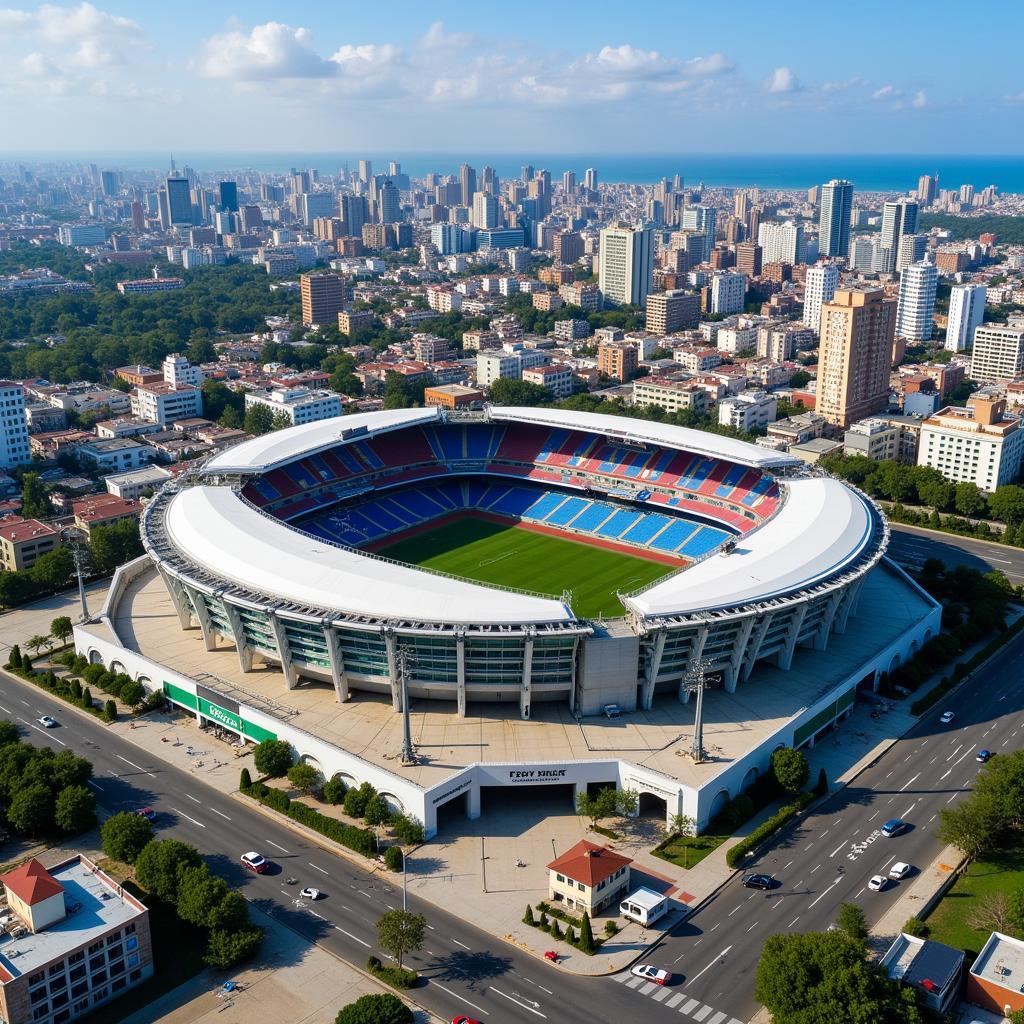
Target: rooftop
column 589, row 863
column 95, row 905
column 1001, row 962
column 31, row 883
column 16, row 530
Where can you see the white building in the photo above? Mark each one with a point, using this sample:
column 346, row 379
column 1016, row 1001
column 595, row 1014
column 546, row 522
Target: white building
column 913, row 249
column 915, row 311
column 82, row 235
column 486, row 213
column 116, row 454
column 981, row 444
column 164, row 403
column 819, row 287
column 998, row 353
column 492, row 366
column 132, row 485
column 301, row 405
column 748, row 410
column 626, row 265
column 178, row 370
column 899, row 218
column 781, row 243
column 14, row 449
column 735, row 339
column 966, row 311
column 727, row 292
column 557, row 379
column 701, row 219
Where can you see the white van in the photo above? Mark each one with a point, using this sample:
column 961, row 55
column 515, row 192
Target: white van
column 645, row 906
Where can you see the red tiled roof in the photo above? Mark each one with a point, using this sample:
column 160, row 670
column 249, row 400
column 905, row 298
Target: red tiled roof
column 588, row 863
column 32, row 883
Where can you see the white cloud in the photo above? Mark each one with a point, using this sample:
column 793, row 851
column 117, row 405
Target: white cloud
column 782, row 80
column 99, row 39
column 706, row 67
column 435, row 38
column 887, row 92
column 84, row 21
column 920, row 99
column 271, row 50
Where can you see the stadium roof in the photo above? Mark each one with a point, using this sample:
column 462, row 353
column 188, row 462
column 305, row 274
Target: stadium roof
column 822, row 528
column 238, row 543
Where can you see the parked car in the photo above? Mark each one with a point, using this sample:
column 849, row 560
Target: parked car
column 47, row 722
column 146, row 812
column 309, row 893
column 763, row 882
column 946, row 717
column 894, row 827
column 255, row 862
column 463, row 1019
column 983, row 756
column 900, row 870
column 651, row 973
column 876, row 883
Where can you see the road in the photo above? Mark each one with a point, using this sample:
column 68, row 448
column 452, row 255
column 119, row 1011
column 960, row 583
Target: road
column 911, row 546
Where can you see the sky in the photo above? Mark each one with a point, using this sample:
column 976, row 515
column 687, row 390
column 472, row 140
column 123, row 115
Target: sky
column 528, row 76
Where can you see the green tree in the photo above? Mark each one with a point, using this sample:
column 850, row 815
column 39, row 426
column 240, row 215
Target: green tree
column 1000, row 787
column 227, row 949
column 894, row 481
column 304, row 777
column 31, row 809
column 199, row 892
column 75, row 810
column 34, row 503
column 972, row 826
column 14, row 661
column 218, row 398
column 273, row 757
column 132, row 693
column 124, row 835
column 111, row 546
column 790, row 769
column 281, row 420
column 379, row 1008
column 1007, row 504
column 245, row 780
column 970, row 500
column 400, row 932
column 110, row 711
column 607, row 802
column 407, row 830
column 53, row 570
column 806, row 978
column 850, row 919
column 933, row 489
column 231, row 914
column 160, row 864
column 8, row 733
column 394, row 858
column 586, row 935
column 37, row 643
column 377, row 811
column 231, row 418
column 528, row 917
column 68, row 769
column 506, row 391
column 356, row 800
column 799, row 379
column 258, row 419
column 333, row 791
column 61, row 628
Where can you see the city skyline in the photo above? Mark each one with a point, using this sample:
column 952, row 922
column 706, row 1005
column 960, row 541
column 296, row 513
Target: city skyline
column 83, row 73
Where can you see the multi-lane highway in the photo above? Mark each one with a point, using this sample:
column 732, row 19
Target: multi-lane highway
column 912, row 546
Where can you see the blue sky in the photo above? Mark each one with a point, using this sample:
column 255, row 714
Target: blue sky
column 525, row 76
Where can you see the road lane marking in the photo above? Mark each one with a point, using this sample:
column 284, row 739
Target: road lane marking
column 184, row 815
column 733, row 911
column 815, row 868
column 794, row 921
column 137, row 767
column 825, row 893
column 718, row 1018
column 888, row 862
column 808, row 846
column 952, row 798
column 270, row 842
column 955, row 752
column 774, row 905
column 718, row 959
column 662, row 993
column 647, row 988
column 221, row 813
column 356, row 938
column 462, row 944
column 784, row 866
column 315, row 868
column 194, row 799
column 512, row 999
column 95, row 785
column 5, row 710
column 825, row 833
column 753, row 926
column 718, row 925
column 857, row 897
column 48, row 735
column 634, row 981
column 838, row 848
column 690, row 1004
column 700, row 1014
column 677, row 998
column 909, row 809
column 910, row 783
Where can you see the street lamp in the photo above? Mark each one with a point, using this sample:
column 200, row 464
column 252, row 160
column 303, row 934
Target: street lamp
column 80, row 555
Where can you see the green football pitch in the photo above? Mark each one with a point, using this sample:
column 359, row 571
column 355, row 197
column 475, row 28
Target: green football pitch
column 489, row 552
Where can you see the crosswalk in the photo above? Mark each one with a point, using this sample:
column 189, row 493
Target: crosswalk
column 699, row 1011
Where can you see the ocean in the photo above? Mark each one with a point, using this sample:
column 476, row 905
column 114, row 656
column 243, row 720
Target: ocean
column 868, row 172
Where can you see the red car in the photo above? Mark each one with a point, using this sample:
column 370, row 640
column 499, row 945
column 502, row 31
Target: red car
column 146, row 812
column 463, row 1019
column 255, row 862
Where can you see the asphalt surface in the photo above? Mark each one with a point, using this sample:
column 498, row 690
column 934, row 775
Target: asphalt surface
column 911, row 546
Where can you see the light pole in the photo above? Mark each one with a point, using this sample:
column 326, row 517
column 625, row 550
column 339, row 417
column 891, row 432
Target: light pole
column 80, row 557
column 695, row 681
column 404, row 658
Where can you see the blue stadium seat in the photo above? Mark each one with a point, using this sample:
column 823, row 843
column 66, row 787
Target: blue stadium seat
column 571, row 508
column 671, row 538
column 703, row 541
column 544, row 505
column 619, row 523
column 478, row 442
column 590, row 518
column 648, row 526
column 514, row 502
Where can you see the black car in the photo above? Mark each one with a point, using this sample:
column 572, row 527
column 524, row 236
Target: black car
column 764, row 882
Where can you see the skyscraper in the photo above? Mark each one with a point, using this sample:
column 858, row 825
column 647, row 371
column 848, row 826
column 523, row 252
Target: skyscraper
column 110, row 182
column 782, row 243
column 626, row 265
column 389, row 204
column 927, row 189
column 898, row 218
column 485, row 211
column 526, row 172
column 365, row 171
column 966, row 311
column 701, row 219
column 323, row 297
column 569, row 182
column 354, row 214
column 834, row 222
column 855, row 354
column 467, row 184
column 915, row 313
column 590, row 179
column 913, row 249
column 179, row 201
column 227, row 196
column 819, row 288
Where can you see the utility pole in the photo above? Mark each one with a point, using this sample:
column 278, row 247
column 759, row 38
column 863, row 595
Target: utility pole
column 403, row 659
column 80, row 557
column 695, row 681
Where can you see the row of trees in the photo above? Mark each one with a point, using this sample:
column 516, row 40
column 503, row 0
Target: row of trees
column 43, row 793
column 175, row 874
column 992, row 815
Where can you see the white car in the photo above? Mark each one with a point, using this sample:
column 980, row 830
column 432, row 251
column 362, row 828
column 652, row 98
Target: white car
column 309, row 893
column 899, row 870
column 946, row 717
column 651, row 973
column 47, row 722
column 255, row 862
column 876, row 883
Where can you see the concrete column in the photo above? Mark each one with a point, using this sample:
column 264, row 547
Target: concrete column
column 241, row 645
column 652, row 667
column 785, row 656
column 291, row 677
column 848, row 606
column 337, row 663
column 460, row 668
column 178, row 599
column 739, row 651
column 473, row 803
column 199, row 605
column 696, row 650
column 754, row 644
column 391, row 646
column 575, row 673
column 526, row 690
column 821, row 637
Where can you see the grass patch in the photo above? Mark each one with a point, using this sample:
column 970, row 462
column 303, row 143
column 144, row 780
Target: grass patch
column 1000, row 871
column 686, row 851
column 606, row 832
column 502, row 555
column 177, row 957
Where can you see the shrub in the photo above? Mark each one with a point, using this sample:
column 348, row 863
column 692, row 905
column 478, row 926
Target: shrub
column 227, row 949
column 304, row 777
column 86, row 697
column 821, row 787
column 382, row 1008
column 14, row 661
column 394, row 858
column 767, row 828
column 586, row 935
column 611, row 928
column 570, row 936
column 545, row 924
column 333, row 791
column 356, row 800
column 110, row 711
column 556, row 929
column 528, row 916
column 273, row 757
column 397, row 977
column 76, row 689
column 916, row 927
column 91, row 674
column 132, row 693
column 245, row 781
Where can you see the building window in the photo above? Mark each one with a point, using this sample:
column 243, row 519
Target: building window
column 133, row 960
column 40, row 1011
column 132, row 943
column 58, row 983
column 56, row 969
column 96, row 963
column 60, row 999
column 80, row 989
column 78, row 972
column 98, row 977
column 62, row 1016
column 560, row 878
column 34, row 979
column 113, row 937
column 81, row 1006
column 77, row 957
column 118, row 984
column 95, row 947
column 38, row 996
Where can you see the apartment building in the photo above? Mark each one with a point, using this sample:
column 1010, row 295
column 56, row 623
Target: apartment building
column 164, row 403
column 671, row 395
column 14, row 446
column 671, row 311
column 323, row 298
column 998, row 353
column 749, row 410
column 299, row 404
column 23, row 541
column 618, row 360
column 558, row 379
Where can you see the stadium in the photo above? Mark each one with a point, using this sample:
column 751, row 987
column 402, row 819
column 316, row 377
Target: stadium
column 534, row 558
